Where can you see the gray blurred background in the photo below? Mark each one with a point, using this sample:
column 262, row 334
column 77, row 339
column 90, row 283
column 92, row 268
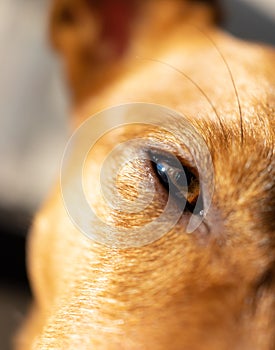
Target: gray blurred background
column 34, row 111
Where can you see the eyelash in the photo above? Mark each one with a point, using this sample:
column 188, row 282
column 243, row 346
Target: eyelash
column 181, row 182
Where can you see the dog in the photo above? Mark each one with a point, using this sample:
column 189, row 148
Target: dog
column 212, row 288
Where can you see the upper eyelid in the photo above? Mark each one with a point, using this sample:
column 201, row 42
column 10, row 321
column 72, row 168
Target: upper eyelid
column 170, row 157
column 166, row 141
column 163, row 142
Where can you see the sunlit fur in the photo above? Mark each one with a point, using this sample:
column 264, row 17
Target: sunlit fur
column 208, row 290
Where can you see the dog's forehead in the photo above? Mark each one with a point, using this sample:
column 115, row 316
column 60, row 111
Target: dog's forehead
column 203, row 78
column 223, row 86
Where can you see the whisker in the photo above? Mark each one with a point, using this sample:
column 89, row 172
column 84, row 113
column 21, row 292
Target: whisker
column 195, row 84
column 231, row 78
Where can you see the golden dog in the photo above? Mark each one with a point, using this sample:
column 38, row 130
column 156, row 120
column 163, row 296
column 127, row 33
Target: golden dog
column 213, row 288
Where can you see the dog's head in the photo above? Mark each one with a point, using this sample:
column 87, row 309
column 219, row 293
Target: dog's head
column 212, row 288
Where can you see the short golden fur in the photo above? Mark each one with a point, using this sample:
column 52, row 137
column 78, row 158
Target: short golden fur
column 201, row 291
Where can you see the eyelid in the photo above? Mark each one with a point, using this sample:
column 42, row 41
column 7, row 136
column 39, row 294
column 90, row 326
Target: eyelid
column 182, row 160
column 164, row 142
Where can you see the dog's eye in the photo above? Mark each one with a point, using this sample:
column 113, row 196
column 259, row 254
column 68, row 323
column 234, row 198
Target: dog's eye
column 178, row 179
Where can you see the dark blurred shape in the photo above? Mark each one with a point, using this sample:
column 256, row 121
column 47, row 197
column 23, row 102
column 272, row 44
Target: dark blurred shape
column 15, row 293
column 246, row 22
column 217, row 4
column 14, row 225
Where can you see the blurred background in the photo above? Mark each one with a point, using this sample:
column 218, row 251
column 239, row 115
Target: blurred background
column 34, row 110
